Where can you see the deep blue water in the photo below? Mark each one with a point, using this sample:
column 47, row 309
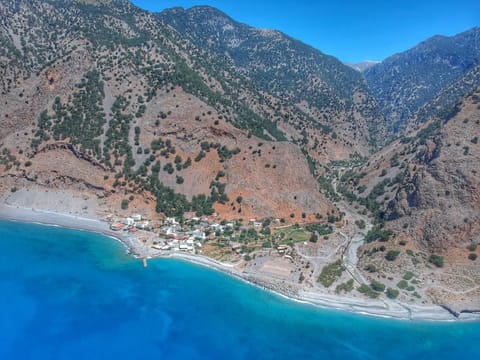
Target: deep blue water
column 66, row 294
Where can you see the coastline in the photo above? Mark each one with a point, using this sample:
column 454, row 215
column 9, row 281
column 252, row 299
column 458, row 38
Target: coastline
column 380, row 308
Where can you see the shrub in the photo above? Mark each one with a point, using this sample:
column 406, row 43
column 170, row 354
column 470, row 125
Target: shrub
column 169, row 168
column 436, row 260
column 378, row 234
column 267, row 245
column 346, row 286
column 360, row 223
column 408, row 276
column 472, row 247
column 377, row 286
column 392, row 255
column 321, row 229
column 367, row 290
column 187, row 163
column 124, row 204
column 402, row 284
column 472, row 256
column 392, row 293
column 330, row 273
column 200, row 156
column 28, row 163
column 371, row 268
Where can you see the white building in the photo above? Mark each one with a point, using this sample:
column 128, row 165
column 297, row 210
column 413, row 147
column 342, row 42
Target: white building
column 128, row 221
column 142, row 224
column 198, row 234
column 137, row 217
column 171, row 221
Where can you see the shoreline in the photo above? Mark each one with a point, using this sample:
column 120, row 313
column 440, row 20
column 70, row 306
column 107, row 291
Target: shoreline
column 379, row 308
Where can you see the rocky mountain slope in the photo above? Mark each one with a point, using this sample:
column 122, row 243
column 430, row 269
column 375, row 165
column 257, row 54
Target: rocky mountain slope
column 329, row 92
column 423, row 193
column 406, row 82
column 154, row 117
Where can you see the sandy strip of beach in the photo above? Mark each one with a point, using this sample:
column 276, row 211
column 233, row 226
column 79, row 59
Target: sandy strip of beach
column 385, row 308
column 32, row 215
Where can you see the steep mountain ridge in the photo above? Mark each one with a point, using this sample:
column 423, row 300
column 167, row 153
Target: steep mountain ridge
column 423, row 194
column 135, row 97
column 408, row 81
column 320, row 85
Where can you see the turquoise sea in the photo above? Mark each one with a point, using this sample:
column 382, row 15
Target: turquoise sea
column 66, row 294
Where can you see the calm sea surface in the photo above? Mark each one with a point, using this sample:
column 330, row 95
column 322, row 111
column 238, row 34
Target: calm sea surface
column 67, row 294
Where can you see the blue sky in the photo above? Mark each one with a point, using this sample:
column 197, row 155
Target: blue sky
column 350, row 30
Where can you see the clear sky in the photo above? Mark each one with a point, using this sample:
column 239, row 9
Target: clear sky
column 351, row 30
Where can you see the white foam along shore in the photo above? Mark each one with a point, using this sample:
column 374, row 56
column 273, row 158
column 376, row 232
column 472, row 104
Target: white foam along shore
column 387, row 308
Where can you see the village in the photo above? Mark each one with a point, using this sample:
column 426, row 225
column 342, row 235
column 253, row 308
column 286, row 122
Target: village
column 227, row 241
column 221, row 240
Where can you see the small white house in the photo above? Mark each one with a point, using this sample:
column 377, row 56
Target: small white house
column 184, row 247
column 216, row 227
column 198, row 234
column 169, row 230
column 128, row 221
column 142, row 224
column 137, row 217
column 171, row 221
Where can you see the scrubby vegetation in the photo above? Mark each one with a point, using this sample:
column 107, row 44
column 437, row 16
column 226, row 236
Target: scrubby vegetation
column 392, row 293
column 436, row 260
column 345, row 287
column 330, row 273
column 368, row 291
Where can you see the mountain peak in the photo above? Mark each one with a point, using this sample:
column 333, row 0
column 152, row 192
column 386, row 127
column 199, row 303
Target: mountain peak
column 362, row 66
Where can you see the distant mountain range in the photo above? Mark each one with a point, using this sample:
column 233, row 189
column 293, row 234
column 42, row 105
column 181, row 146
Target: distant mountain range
column 406, row 82
column 364, row 65
column 288, row 68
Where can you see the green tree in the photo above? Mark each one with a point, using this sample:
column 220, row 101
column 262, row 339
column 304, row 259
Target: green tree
column 436, row 260
column 124, row 204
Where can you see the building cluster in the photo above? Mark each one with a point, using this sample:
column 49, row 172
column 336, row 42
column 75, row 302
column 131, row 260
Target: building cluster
column 176, row 236
column 190, row 235
column 131, row 224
